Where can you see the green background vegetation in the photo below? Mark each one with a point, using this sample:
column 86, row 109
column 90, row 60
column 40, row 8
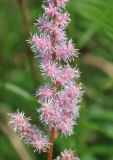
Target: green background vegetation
column 92, row 31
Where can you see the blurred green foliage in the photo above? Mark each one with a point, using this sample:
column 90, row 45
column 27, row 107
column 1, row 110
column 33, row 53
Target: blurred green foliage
column 92, row 31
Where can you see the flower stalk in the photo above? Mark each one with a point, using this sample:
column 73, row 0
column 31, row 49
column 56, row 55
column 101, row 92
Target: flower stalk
column 52, row 139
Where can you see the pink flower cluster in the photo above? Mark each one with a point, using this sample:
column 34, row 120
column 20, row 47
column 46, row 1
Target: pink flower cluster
column 59, row 74
column 28, row 132
column 59, row 99
column 67, row 155
column 62, row 109
column 60, row 105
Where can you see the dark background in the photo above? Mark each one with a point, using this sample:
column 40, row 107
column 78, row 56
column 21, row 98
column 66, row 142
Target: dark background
column 92, row 31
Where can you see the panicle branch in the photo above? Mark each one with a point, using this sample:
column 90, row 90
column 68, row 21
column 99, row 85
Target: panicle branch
column 28, row 132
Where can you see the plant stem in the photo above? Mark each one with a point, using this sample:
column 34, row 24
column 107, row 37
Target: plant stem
column 27, row 27
column 26, row 17
column 52, row 139
column 52, row 133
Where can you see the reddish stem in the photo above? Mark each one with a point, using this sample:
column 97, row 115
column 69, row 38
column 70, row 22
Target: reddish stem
column 52, row 133
column 52, row 139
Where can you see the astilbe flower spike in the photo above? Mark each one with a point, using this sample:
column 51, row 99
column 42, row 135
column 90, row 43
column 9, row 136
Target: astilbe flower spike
column 59, row 99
